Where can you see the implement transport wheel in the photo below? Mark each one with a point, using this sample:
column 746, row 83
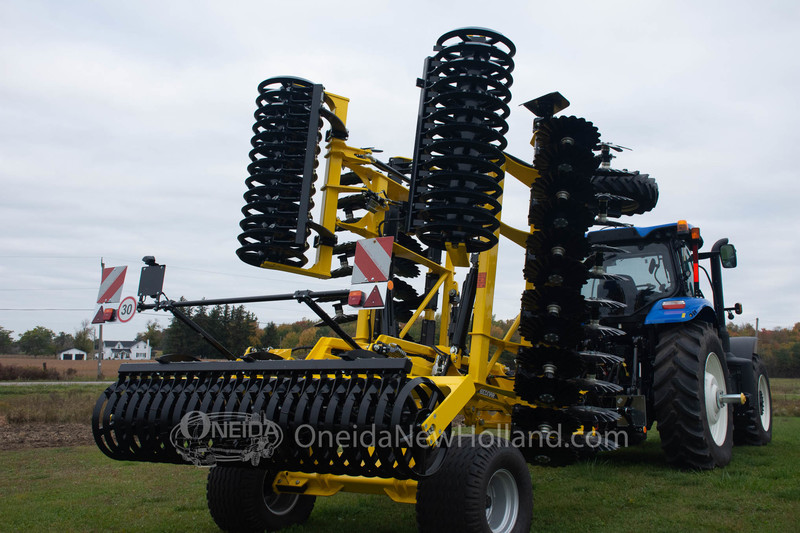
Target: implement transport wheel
column 484, row 486
column 242, row 499
column 696, row 428
column 754, row 427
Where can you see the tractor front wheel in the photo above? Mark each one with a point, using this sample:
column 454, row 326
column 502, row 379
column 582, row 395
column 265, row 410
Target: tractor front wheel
column 691, row 374
column 754, row 426
column 484, row 486
column 242, row 499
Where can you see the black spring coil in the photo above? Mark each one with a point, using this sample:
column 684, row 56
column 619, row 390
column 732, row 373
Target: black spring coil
column 287, row 133
column 360, row 425
column 456, row 180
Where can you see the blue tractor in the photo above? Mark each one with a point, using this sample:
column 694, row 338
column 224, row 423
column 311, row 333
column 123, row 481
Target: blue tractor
column 677, row 364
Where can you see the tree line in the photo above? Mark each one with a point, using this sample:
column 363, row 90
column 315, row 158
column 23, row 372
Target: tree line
column 44, row 341
column 779, row 348
column 236, row 328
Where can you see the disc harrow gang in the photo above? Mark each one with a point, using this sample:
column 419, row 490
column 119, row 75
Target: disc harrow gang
column 357, row 418
column 457, row 173
column 287, row 133
column 556, row 373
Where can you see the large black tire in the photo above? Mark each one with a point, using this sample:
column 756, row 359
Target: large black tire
column 753, row 427
column 640, row 189
column 242, row 499
column 484, row 486
column 690, row 369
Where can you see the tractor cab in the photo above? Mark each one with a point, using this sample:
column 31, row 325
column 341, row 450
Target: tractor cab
column 654, row 272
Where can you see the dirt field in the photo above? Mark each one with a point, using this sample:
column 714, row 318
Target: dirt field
column 37, row 435
column 84, row 369
column 19, row 436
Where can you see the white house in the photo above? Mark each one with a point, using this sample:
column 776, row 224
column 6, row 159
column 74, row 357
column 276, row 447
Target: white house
column 73, row 354
column 126, row 350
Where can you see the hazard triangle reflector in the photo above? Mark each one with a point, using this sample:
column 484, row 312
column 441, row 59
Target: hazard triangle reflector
column 375, row 299
column 99, row 318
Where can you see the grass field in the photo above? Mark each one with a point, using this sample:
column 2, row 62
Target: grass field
column 79, row 489
column 48, row 404
column 785, row 396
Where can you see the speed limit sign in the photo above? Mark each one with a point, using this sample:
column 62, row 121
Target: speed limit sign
column 127, row 308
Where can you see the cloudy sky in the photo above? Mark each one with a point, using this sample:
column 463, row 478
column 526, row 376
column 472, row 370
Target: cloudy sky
column 125, row 128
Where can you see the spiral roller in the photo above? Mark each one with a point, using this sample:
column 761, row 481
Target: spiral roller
column 457, row 172
column 378, row 410
column 277, row 212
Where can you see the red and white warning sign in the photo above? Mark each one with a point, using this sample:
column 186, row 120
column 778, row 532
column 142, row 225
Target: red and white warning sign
column 369, row 296
column 111, row 283
column 371, row 266
column 99, row 316
column 104, row 314
column 376, row 297
column 373, row 260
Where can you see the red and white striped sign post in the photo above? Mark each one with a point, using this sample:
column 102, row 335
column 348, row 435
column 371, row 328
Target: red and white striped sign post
column 372, row 260
column 111, row 283
column 371, row 266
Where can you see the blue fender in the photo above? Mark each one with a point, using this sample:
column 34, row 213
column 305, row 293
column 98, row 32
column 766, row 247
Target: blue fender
column 675, row 313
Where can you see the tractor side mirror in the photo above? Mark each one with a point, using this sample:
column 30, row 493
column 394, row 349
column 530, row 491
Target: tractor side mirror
column 727, row 254
column 737, row 308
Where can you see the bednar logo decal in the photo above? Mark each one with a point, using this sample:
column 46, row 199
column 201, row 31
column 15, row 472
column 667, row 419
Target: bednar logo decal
column 487, row 393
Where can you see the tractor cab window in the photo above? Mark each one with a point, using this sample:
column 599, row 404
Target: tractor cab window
column 685, row 273
column 645, row 275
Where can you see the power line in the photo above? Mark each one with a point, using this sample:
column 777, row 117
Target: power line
column 35, row 289
column 172, row 266
column 48, row 257
column 45, row 309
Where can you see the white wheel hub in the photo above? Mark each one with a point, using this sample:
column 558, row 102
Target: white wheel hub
column 764, row 405
column 714, row 388
column 502, row 501
column 279, row 504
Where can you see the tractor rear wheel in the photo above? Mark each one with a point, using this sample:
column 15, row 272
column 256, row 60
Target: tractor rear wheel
column 690, row 375
column 242, row 499
column 754, row 427
column 484, row 486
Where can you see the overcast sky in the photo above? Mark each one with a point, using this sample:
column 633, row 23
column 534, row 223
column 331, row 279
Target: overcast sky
column 125, row 129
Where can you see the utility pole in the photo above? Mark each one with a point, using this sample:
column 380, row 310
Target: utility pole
column 756, row 330
column 100, row 346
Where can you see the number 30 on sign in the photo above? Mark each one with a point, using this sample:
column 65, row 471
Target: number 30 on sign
column 127, row 308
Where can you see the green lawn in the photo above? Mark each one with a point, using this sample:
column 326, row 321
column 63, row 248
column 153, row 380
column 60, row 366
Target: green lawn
column 785, row 396
column 79, row 489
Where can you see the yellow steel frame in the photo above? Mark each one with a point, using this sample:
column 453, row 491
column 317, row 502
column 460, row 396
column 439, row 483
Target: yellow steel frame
column 476, row 384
